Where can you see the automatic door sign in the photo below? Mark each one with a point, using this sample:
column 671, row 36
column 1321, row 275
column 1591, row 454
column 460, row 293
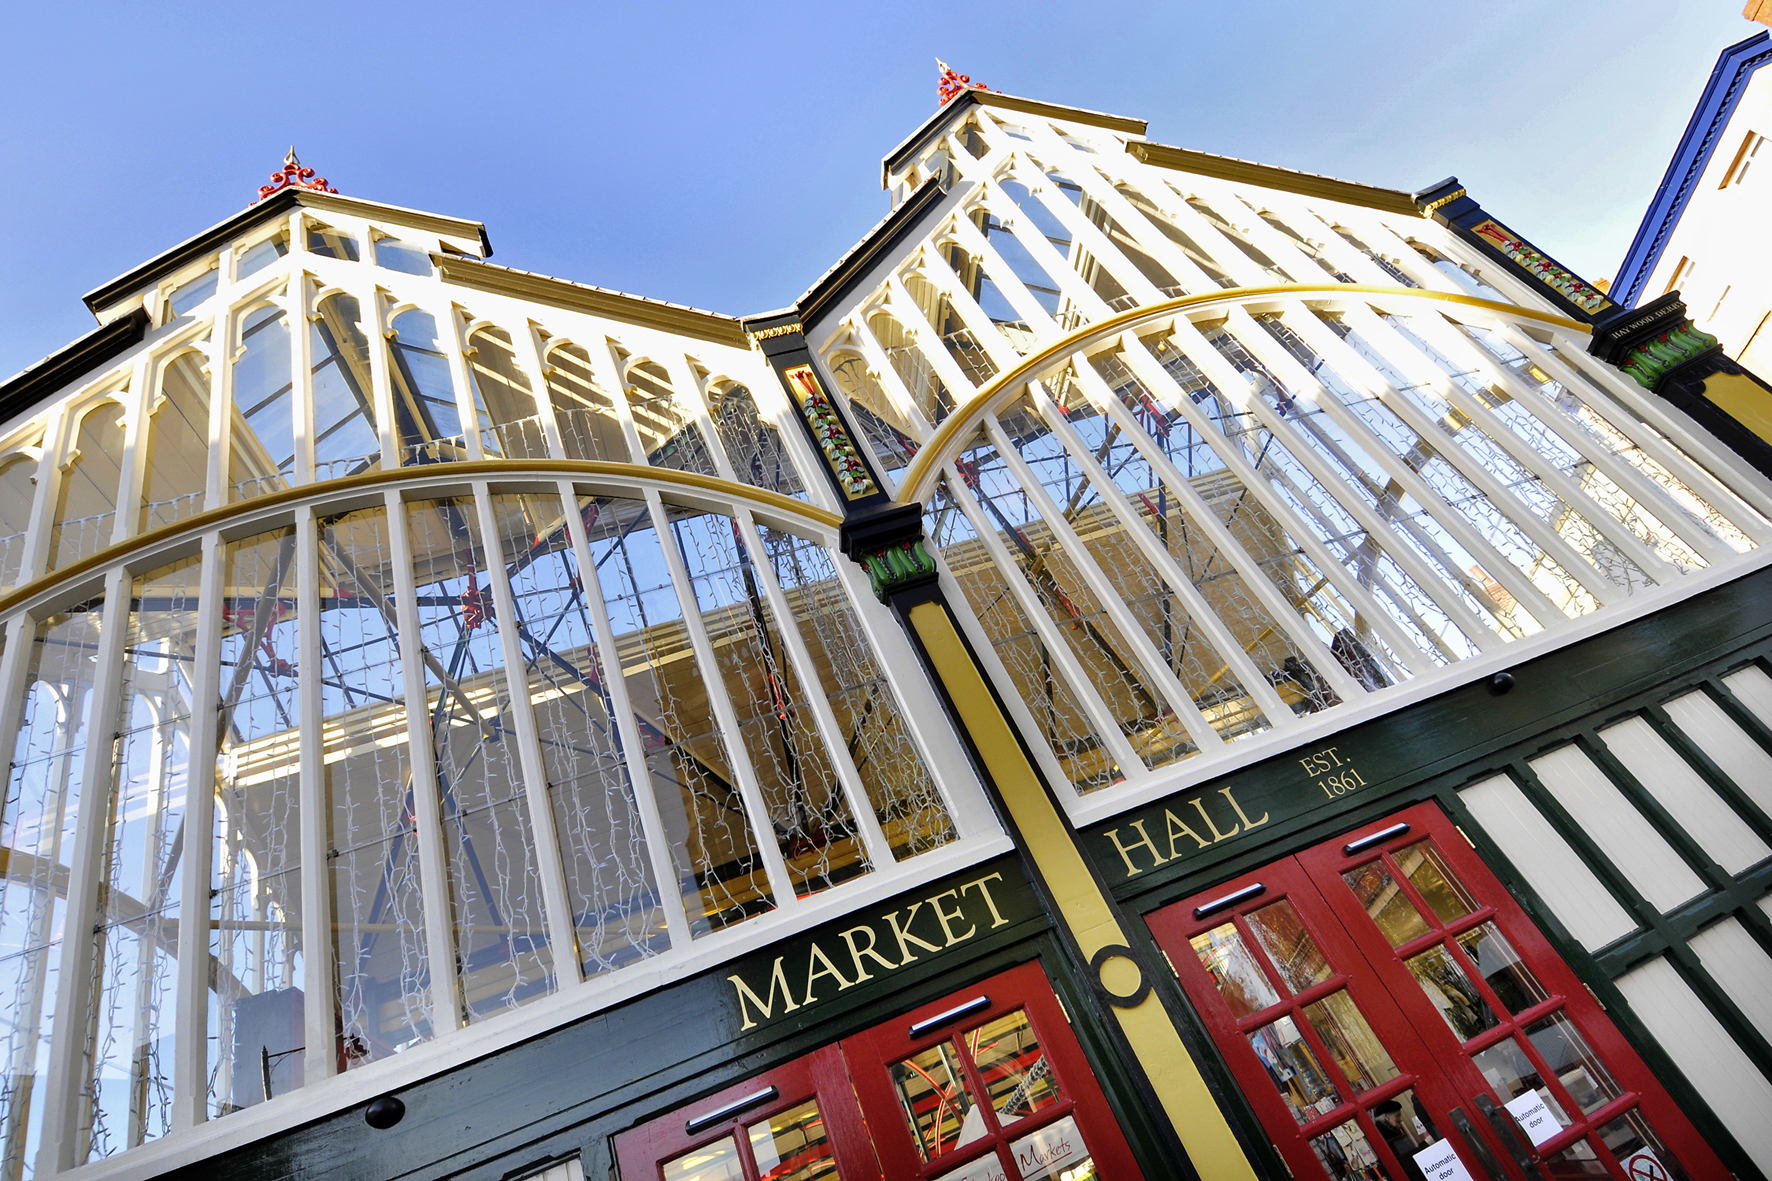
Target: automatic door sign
column 1643, row 1165
column 1439, row 1162
column 1534, row 1117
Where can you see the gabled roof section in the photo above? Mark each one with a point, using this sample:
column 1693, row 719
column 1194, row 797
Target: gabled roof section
column 269, row 209
column 1722, row 93
column 855, row 262
column 937, row 123
column 598, row 301
column 103, row 344
column 1307, row 184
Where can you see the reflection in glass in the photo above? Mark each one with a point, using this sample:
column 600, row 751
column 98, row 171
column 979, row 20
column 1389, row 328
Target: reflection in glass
column 1356, row 1049
column 256, row 258
column 1405, row 1126
column 1240, row 981
column 345, row 439
column 130, row 1044
column 503, row 398
column 1428, row 873
column 1295, row 1070
column 1346, row 1154
column 190, row 294
column 396, row 255
column 1451, row 992
column 425, row 410
column 1580, row 1071
column 669, row 434
column 1498, row 963
column 1632, row 1141
column 263, row 428
column 1511, row 1074
column 711, row 1162
column 793, row 1146
column 1061, row 1150
column 585, row 413
column 936, row 1101
column 178, row 444
column 1289, row 946
column 255, row 916
column 1017, row 1075
column 1386, row 902
column 330, row 243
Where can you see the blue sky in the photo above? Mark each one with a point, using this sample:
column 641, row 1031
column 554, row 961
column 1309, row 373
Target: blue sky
column 724, row 155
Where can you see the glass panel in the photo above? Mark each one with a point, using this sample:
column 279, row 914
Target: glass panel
column 718, row 866
column 753, row 446
column 263, row 442
column 503, row 398
column 1297, row 1074
column 425, row 409
column 1427, row 872
column 1580, row 1071
column 18, row 490
column 669, row 434
column 1512, row 1074
column 808, row 808
column 1514, row 984
column 345, row 439
column 256, row 258
column 87, row 504
column 1239, row 979
column 936, row 1101
column 609, row 878
column 1405, row 1127
column 255, row 916
column 893, row 771
column 793, row 1146
column 1017, row 1076
column 494, row 885
column 711, row 1162
column 1452, row 993
column 378, row 940
column 330, row 243
column 396, row 255
column 194, row 292
column 1356, row 1049
column 1346, row 1154
column 1640, row 1153
column 589, row 429
column 178, row 444
column 131, row 1040
column 1056, row 1150
column 1385, row 901
column 1289, row 946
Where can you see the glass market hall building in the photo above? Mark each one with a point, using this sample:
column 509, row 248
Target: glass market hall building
column 1155, row 666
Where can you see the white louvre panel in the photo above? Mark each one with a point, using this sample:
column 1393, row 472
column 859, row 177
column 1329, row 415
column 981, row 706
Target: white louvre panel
column 1558, row 876
column 1621, row 832
column 1685, row 794
column 1740, row 967
column 566, row 1170
column 1705, row 1053
column 1753, row 688
column 1739, row 756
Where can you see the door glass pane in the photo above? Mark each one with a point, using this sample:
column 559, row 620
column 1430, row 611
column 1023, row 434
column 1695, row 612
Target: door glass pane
column 936, row 1101
column 1290, row 1062
column 793, row 1146
column 1293, row 952
column 1444, row 893
column 1017, row 1076
column 1500, row 965
column 1639, row 1151
column 1356, row 1049
column 1405, row 1126
column 1347, row 1155
column 711, row 1162
column 1451, row 992
column 1512, row 1074
column 1234, row 971
column 1057, row 1151
column 1565, row 1051
column 1385, row 901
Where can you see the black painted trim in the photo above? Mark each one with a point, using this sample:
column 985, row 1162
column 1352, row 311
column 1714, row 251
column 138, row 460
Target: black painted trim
column 103, row 344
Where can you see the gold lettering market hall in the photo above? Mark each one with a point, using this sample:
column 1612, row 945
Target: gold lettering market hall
column 1155, row 666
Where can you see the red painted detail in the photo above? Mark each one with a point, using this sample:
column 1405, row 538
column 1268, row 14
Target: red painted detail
column 293, row 175
column 949, row 85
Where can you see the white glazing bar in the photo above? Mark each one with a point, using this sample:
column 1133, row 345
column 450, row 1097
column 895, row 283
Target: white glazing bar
column 58, row 431
column 1084, row 300
column 63, row 1109
column 1357, row 369
column 929, row 341
column 1159, row 381
column 556, row 904
column 1200, row 613
column 939, row 273
column 221, row 351
column 320, row 1010
column 762, row 827
column 873, row 836
column 689, row 392
column 1235, row 388
column 1100, row 716
column 977, row 244
column 138, row 402
column 1150, row 238
column 196, row 844
column 1245, row 214
column 665, row 871
column 427, row 809
column 527, row 345
column 1224, row 253
column 372, row 310
column 1084, row 233
column 916, row 423
column 607, row 368
column 452, row 330
column 1149, row 662
column 1653, row 443
column 1271, row 354
column 1396, row 346
column 775, row 407
column 300, row 305
column 15, row 665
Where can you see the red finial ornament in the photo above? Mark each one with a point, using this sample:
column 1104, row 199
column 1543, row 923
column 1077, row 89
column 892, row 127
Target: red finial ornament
column 293, row 176
column 949, row 85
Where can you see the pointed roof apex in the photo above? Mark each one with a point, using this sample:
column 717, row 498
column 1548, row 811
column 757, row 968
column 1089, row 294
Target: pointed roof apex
column 293, row 176
column 949, row 85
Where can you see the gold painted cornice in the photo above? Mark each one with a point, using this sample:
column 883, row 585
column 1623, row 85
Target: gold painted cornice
column 628, row 475
column 919, row 478
column 1268, row 176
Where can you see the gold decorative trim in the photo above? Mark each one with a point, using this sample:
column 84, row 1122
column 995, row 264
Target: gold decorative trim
column 1269, row 176
column 918, row 479
column 778, row 330
column 491, row 469
column 1446, row 200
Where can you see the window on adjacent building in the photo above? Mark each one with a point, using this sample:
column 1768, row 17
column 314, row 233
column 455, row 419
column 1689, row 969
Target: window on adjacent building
column 1682, row 275
column 1744, row 160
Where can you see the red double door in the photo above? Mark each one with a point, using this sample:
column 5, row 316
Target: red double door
column 1391, row 1013
column 987, row 1084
